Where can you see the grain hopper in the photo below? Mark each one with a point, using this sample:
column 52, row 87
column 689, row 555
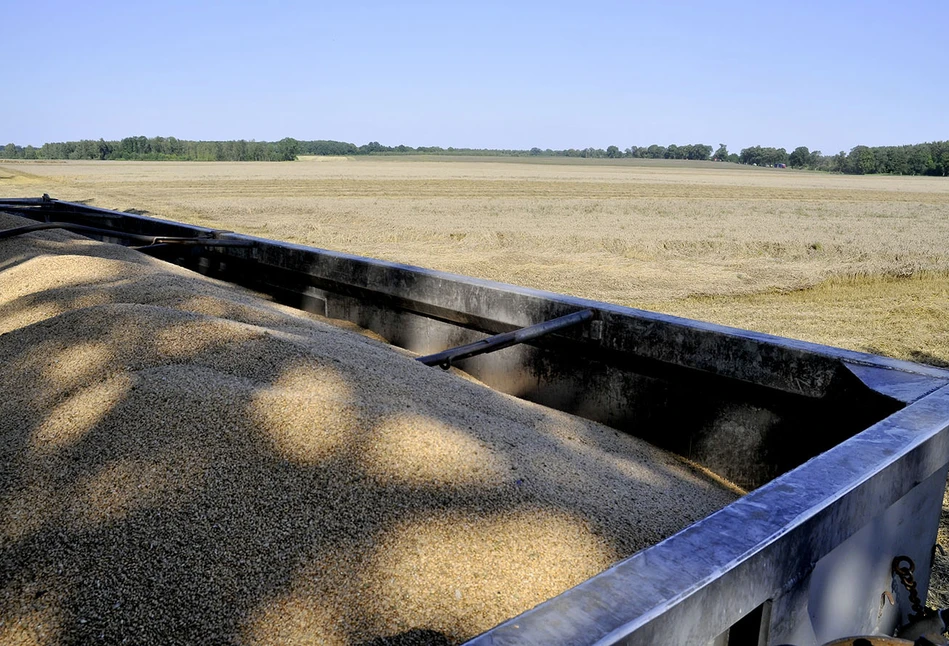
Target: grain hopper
column 845, row 454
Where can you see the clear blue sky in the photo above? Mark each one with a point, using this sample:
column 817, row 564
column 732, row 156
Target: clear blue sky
column 828, row 75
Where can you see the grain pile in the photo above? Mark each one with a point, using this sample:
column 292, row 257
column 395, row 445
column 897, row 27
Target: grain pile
column 184, row 462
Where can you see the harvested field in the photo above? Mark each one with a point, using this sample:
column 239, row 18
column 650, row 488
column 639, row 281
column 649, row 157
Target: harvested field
column 688, row 238
column 621, row 232
column 182, row 462
column 906, row 317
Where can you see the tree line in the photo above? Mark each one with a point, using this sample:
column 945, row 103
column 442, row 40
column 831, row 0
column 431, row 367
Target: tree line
column 158, row 149
column 930, row 158
column 172, row 149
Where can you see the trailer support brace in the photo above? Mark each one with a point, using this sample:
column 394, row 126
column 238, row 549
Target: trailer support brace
column 445, row 358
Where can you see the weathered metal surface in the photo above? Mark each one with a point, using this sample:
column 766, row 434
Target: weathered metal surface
column 505, row 340
column 861, row 440
column 869, row 640
column 122, row 235
column 769, row 546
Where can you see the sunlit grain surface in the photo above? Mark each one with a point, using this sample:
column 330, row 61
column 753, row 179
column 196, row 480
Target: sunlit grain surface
column 183, row 462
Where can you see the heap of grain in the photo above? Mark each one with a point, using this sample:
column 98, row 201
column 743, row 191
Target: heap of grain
column 184, row 462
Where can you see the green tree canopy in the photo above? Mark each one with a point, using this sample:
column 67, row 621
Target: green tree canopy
column 800, row 157
column 930, row 158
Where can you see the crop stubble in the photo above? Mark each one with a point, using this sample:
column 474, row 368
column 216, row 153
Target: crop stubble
column 626, row 234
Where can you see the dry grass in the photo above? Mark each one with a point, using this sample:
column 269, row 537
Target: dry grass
column 663, row 236
column 626, row 234
column 900, row 317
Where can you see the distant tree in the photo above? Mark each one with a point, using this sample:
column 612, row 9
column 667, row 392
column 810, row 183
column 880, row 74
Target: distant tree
column 104, row 149
column 9, row 151
column 800, row 157
column 860, row 161
column 763, row 156
column 898, row 161
column 722, row 153
column 535, row 151
column 656, row 152
column 321, row 147
column 921, row 160
column 700, row 152
column 941, row 158
column 286, row 149
column 376, row 147
column 85, row 149
column 130, row 148
column 839, row 163
column 750, row 155
column 613, row 152
column 881, row 158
